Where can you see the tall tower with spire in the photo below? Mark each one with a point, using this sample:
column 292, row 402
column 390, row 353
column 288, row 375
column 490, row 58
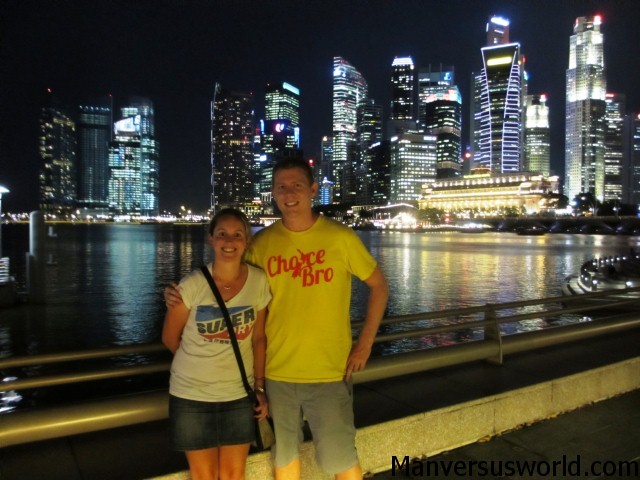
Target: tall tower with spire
column 498, row 102
column 349, row 90
column 585, row 110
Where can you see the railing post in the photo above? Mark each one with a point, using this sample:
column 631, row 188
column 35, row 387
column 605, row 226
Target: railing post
column 492, row 332
column 35, row 258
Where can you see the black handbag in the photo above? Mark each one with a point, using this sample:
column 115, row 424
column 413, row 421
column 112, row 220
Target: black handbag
column 264, row 429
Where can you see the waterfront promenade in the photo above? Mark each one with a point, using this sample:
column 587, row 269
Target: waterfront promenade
column 607, row 432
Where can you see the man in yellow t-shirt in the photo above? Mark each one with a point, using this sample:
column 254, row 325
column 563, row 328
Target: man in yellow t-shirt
column 309, row 261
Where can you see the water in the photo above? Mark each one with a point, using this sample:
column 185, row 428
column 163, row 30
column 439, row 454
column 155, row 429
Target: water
column 105, row 286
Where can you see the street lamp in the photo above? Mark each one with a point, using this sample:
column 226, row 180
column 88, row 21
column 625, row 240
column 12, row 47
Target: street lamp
column 2, row 191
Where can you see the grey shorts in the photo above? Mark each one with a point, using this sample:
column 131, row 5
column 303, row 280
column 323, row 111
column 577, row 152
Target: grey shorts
column 328, row 408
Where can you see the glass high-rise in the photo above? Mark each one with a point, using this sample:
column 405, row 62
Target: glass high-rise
column 537, row 143
column 57, row 149
column 497, row 31
column 369, row 132
column 613, row 146
column 349, row 89
column 585, row 110
column 232, row 133
column 94, row 135
column 282, row 118
column 498, row 98
column 125, row 189
column 412, row 163
column 631, row 192
column 402, row 113
column 440, row 114
column 134, row 183
column 279, row 131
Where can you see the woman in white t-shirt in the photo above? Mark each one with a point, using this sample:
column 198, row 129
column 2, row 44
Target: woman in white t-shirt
column 211, row 417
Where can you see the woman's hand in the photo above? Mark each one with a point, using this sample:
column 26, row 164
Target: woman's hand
column 172, row 295
column 262, row 410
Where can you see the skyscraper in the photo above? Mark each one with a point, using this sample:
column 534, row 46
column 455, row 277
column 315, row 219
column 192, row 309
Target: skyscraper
column 349, row 89
column 325, row 196
column 94, row 135
column 282, row 115
column 134, row 184
column 232, row 131
column 613, row 146
column 497, row 31
column 57, row 150
column 585, row 110
column 369, row 131
column 402, row 115
column 498, row 98
column 631, row 191
column 279, row 131
column 440, row 114
column 125, row 189
column 412, row 165
column 537, row 144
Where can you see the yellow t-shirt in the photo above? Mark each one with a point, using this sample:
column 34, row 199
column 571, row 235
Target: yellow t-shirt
column 308, row 326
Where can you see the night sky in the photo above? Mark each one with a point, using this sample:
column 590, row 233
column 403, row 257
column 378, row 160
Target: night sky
column 173, row 52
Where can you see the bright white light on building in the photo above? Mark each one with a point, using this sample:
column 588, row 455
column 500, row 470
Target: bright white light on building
column 503, row 22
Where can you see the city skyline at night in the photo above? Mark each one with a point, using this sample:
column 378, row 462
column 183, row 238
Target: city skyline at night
column 174, row 52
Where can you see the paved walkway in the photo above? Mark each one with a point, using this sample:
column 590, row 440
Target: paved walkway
column 597, row 441
column 607, row 432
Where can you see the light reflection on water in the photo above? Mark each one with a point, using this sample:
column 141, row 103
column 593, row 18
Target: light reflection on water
column 433, row 272
column 106, row 286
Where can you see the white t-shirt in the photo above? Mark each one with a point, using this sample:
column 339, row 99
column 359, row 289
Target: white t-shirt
column 204, row 367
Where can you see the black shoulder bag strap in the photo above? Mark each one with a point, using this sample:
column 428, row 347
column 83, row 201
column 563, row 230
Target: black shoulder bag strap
column 232, row 334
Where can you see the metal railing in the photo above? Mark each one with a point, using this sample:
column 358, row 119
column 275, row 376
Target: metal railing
column 612, row 307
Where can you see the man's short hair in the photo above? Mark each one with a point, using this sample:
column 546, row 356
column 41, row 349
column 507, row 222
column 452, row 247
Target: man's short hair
column 293, row 162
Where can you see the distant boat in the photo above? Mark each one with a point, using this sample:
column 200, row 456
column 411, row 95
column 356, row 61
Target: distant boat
column 531, row 230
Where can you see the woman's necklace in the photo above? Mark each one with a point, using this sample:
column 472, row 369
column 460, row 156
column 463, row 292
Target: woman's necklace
column 229, row 285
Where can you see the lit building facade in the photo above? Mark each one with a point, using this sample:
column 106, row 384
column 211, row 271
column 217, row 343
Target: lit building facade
column 500, row 110
column 232, row 143
column 613, row 146
column 440, row 114
column 94, row 135
column 497, row 31
column 379, row 155
column 140, row 116
column 125, row 188
column 498, row 102
column 281, row 128
column 491, row 194
column 279, row 133
column 57, row 149
column 537, row 143
column 369, row 131
column 412, row 163
column 402, row 114
column 349, row 89
column 585, row 110
column 631, row 194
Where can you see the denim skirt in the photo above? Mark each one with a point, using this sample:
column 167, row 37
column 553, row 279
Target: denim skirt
column 195, row 425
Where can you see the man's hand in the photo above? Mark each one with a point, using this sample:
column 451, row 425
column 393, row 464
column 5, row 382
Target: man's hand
column 378, row 296
column 172, row 295
column 357, row 359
